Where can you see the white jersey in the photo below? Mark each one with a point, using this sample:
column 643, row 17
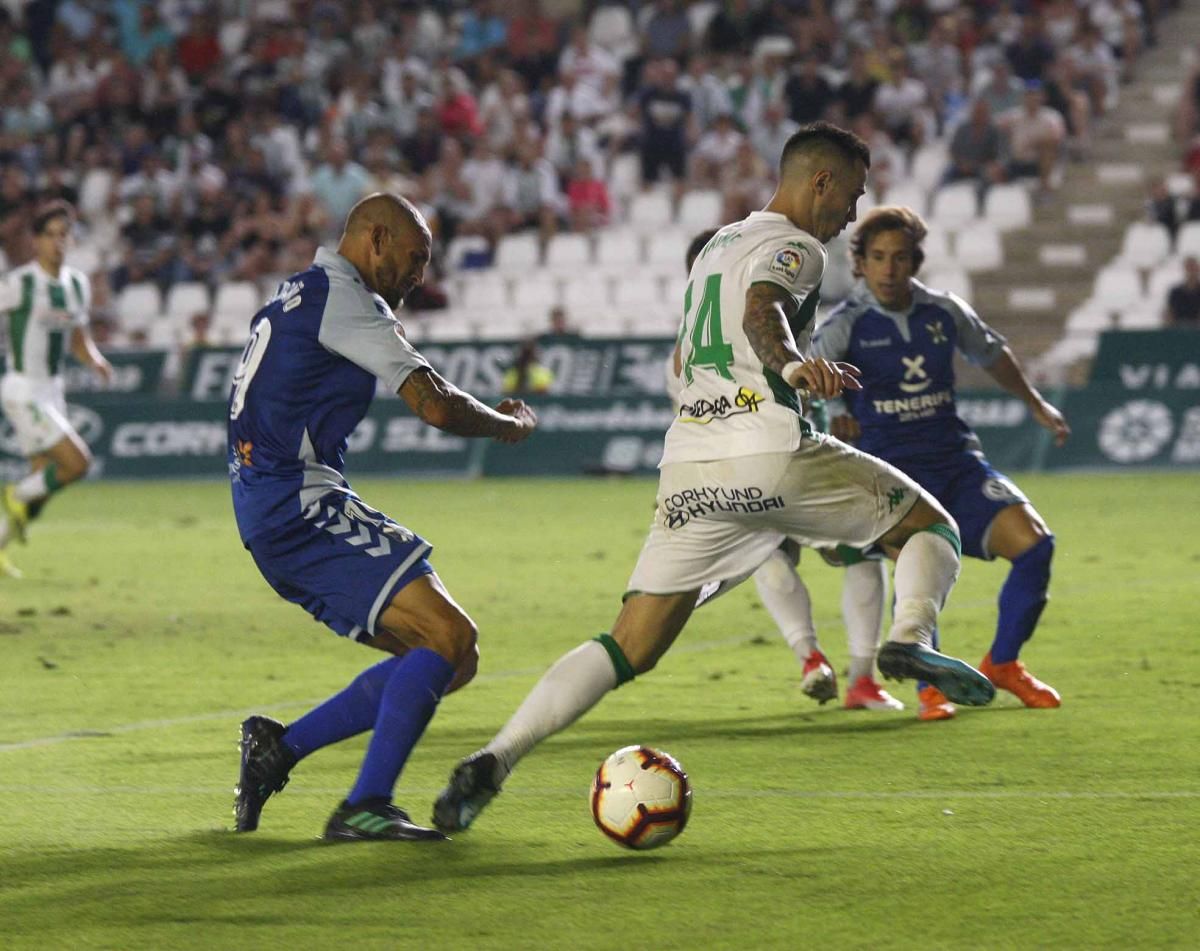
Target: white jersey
column 730, row 404
column 40, row 314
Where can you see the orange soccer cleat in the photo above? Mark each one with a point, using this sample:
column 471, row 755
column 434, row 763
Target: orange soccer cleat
column 934, row 705
column 1013, row 677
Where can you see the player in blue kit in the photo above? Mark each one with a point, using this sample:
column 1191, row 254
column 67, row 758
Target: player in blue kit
column 306, row 379
column 903, row 335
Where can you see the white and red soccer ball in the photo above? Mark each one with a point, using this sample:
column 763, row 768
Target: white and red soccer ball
column 641, row 797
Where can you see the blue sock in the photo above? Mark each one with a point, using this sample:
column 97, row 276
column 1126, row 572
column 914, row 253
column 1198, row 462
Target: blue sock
column 346, row 714
column 1022, row 599
column 409, row 701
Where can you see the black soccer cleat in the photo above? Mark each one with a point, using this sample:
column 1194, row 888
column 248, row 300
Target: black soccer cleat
column 266, row 762
column 958, row 680
column 472, row 786
column 376, row 820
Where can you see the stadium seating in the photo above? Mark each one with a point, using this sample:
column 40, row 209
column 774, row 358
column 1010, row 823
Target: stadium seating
column 955, row 206
column 618, row 249
column 1117, row 287
column 569, row 253
column 1187, row 242
column 518, row 253
column 1145, row 245
column 952, row 280
column 979, row 248
column 1007, row 207
column 700, row 210
column 650, row 211
column 186, row 298
column 138, row 305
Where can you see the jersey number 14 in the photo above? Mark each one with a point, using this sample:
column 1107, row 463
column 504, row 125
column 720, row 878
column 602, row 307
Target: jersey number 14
column 709, row 348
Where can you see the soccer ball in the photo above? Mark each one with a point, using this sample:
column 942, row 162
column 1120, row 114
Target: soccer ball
column 641, row 797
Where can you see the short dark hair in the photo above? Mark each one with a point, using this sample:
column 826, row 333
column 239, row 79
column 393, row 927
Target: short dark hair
column 824, row 136
column 49, row 211
column 698, row 244
column 889, row 218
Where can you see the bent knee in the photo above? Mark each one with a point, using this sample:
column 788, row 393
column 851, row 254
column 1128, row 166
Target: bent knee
column 456, row 639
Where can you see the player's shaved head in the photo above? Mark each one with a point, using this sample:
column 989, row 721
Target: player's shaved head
column 394, row 212
column 820, row 146
column 387, row 239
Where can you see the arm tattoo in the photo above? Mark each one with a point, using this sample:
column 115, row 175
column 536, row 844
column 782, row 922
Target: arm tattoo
column 443, row 405
column 765, row 323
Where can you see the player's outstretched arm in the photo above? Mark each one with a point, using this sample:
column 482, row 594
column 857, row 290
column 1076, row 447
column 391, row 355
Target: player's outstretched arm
column 84, row 349
column 1006, row 371
column 765, row 323
column 443, row 405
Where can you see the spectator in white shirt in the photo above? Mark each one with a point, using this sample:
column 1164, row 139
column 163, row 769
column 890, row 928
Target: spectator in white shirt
column 1036, row 134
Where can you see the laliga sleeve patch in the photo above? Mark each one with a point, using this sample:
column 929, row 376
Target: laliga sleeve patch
column 787, row 263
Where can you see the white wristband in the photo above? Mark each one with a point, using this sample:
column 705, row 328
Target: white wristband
column 789, row 369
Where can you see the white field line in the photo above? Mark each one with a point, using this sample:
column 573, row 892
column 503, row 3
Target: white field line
column 843, row 794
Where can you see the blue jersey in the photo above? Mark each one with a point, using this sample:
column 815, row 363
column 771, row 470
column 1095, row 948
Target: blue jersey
column 906, row 407
column 306, row 379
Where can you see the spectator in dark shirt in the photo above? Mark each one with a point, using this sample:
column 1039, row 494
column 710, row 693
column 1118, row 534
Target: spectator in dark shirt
column 664, row 110
column 808, row 93
column 1183, row 302
column 668, row 32
column 1163, row 207
column 975, row 148
column 733, row 29
column 857, row 93
column 1031, row 53
column 424, row 146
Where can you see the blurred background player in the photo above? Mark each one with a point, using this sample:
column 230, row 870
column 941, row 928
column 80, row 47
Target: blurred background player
column 45, row 305
column 903, row 336
column 786, row 597
column 307, row 377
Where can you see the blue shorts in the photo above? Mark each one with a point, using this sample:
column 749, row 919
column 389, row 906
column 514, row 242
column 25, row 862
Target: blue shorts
column 974, row 493
column 342, row 562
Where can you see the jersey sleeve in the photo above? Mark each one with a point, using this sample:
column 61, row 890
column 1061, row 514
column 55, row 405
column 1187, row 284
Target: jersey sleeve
column 978, row 342
column 796, row 266
column 355, row 326
column 831, row 340
column 10, row 292
column 82, row 285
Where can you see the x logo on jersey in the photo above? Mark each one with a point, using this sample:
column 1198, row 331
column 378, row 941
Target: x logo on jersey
column 914, row 370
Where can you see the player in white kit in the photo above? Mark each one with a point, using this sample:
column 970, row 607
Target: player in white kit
column 742, row 469
column 44, row 305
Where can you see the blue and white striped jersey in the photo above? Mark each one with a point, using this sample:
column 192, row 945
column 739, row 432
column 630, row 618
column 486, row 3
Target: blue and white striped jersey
column 906, row 407
column 306, row 379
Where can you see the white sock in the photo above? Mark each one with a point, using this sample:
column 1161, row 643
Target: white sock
column 566, row 692
column 32, row 487
column 786, row 599
column 864, row 590
column 925, row 572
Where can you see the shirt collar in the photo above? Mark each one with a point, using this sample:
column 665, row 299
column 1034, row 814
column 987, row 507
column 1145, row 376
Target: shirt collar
column 331, row 260
column 863, row 293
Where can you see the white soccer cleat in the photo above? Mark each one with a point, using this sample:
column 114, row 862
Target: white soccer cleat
column 866, row 694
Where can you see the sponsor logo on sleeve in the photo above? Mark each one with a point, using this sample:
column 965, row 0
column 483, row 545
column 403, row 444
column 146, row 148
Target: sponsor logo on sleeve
column 786, row 264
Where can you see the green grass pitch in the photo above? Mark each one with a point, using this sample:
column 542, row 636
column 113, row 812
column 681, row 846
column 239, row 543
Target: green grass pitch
column 142, row 634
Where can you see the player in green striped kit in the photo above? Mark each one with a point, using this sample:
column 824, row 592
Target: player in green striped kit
column 44, row 305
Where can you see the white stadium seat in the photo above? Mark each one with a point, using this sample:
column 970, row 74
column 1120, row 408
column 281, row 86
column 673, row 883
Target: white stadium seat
column 907, row 194
column 929, row 165
column 625, row 176
column 952, row 280
column 186, row 298
column 1163, row 278
column 618, row 249
column 1117, row 287
column 1008, row 207
column 955, row 206
column 1140, row 317
column 485, row 290
column 1145, row 245
column 700, row 210
column 241, row 300
column 1187, row 242
column 936, row 246
column 138, row 305
column 586, row 294
column 463, row 245
column 979, row 248
column 639, row 292
column 666, row 251
column 535, row 292
column 517, row 253
column 1090, row 317
column 650, row 211
column 571, row 253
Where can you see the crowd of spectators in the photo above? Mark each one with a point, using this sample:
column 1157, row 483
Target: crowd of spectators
column 207, row 140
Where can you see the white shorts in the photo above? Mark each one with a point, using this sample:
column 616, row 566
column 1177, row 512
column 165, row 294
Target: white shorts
column 36, row 410
column 718, row 521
